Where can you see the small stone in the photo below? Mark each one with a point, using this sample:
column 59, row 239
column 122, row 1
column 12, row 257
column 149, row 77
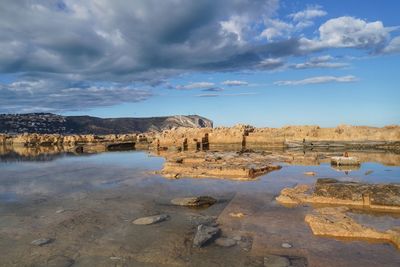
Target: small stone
column 310, row 173
column 236, row 214
column 276, row 261
column 194, row 201
column 60, row 211
column 225, row 242
column 115, row 258
column 59, row 261
column 286, row 245
column 42, row 241
column 203, row 234
column 151, row 219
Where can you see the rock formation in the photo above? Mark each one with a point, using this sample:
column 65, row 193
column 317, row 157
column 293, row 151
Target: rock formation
column 234, row 165
column 380, row 197
column 244, row 136
column 334, row 222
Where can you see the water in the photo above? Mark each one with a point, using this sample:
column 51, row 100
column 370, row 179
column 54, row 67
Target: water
column 87, row 203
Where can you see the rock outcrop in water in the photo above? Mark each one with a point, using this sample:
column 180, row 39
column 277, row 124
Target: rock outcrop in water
column 381, row 197
column 234, row 165
column 334, row 222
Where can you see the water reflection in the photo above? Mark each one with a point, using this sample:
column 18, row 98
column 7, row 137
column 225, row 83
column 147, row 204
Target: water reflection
column 86, row 202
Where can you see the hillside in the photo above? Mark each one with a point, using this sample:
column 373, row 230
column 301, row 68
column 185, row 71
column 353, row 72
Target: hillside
column 52, row 123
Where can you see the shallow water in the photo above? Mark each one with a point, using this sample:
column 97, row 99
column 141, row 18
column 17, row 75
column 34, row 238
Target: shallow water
column 86, row 204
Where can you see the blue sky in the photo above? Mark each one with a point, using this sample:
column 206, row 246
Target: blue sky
column 261, row 62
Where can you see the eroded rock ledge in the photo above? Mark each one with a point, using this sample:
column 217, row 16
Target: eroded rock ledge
column 379, row 197
column 234, row 165
column 334, row 222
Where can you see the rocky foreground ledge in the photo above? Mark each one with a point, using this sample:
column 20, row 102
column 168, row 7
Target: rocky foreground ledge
column 339, row 199
column 378, row 197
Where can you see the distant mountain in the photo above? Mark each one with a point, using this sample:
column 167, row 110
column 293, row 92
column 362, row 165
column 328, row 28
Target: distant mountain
column 52, row 123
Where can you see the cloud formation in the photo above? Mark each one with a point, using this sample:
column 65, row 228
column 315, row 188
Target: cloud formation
column 119, row 47
column 326, row 61
column 45, row 96
column 319, row 79
column 349, row 32
column 235, row 83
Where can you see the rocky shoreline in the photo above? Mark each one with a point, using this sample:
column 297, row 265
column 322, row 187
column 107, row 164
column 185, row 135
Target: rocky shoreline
column 239, row 136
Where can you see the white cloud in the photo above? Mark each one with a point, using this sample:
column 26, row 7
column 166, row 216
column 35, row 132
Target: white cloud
column 196, row 85
column 271, row 63
column 319, row 79
column 307, row 14
column 320, row 62
column 348, row 32
column 235, row 83
column 393, row 46
column 276, row 28
column 217, row 95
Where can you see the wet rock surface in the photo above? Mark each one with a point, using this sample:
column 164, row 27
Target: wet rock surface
column 60, row 261
column 371, row 194
column 151, row 219
column 384, row 197
column 334, row 222
column 42, row 241
column 201, row 201
column 235, row 165
column 225, row 242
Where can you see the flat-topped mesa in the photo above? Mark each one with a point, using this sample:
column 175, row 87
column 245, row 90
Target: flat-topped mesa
column 244, row 136
column 233, row 165
column 379, row 197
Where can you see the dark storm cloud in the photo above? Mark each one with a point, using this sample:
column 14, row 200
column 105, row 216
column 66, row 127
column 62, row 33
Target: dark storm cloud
column 124, row 42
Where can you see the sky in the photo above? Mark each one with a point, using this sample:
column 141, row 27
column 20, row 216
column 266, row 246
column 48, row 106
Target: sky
column 267, row 63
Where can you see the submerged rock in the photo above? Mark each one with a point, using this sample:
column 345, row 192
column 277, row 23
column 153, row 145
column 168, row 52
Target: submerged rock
column 151, row 219
column 203, row 234
column 59, row 261
column 194, row 201
column 42, row 241
column 276, row 261
column 225, row 242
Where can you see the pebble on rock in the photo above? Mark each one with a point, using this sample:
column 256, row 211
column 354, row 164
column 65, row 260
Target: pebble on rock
column 286, row 245
column 151, row 219
column 42, row 241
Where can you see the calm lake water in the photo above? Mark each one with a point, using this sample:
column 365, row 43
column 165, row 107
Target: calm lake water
column 86, row 204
